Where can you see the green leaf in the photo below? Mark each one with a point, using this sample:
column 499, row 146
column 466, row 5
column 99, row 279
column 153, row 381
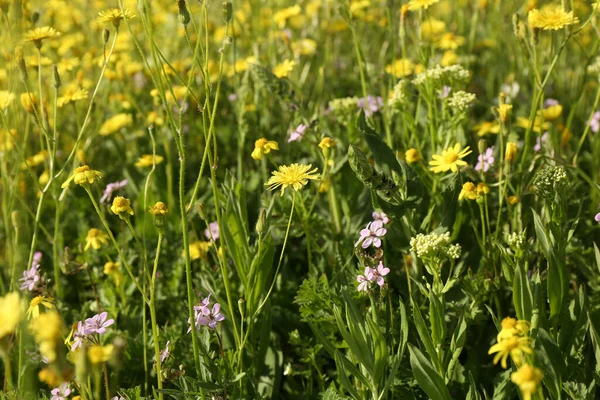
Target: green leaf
column 437, row 313
column 522, row 297
column 383, row 155
column 427, row 377
column 360, row 165
column 552, row 362
column 236, row 238
column 345, row 366
column 380, row 350
column 424, row 335
column 450, row 194
column 456, row 345
column 540, row 233
column 356, row 342
column 260, row 273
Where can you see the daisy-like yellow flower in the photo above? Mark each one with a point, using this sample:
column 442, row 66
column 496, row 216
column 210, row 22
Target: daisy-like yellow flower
column 512, row 327
column 516, row 347
column 114, row 16
column 159, row 208
column 281, row 16
column 295, row 175
column 72, row 94
column 83, row 176
column 469, row 191
column 263, row 146
column 414, row 5
column 538, row 125
column 30, row 102
column 111, row 267
column 551, row 113
column 7, row 139
column 11, row 313
column 48, row 330
column 528, row 379
column 283, row 70
column 304, row 47
column 485, row 127
column 400, row 68
column 147, row 160
column 199, row 249
column 6, row 98
column 482, row 188
column 504, row 111
column 98, row 354
column 449, row 160
column 411, row 156
column 551, row 17
column 121, row 207
column 37, row 35
column 95, row 239
column 326, row 143
column 115, row 123
column 512, row 200
column 34, row 306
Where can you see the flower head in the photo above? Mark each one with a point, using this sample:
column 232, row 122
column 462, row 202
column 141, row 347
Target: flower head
column 31, row 276
column 212, row 232
column 468, row 191
column 370, row 104
column 199, row 249
column 378, row 273
column 78, row 336
column 371, row 235
column 159, row 208
column 6, row 98
column 37, row 35
column 326, row 143
column 294, row 175
column 97, row 324
column 34, row 306
column 83, row 176
column 48, row 329
column 380, row 216
column 485, row 160
column 147, row 160
column 516, row 347
column 96, row 239
column 528, row 379
column 98, row 354
column 450, row 159
column 164, row 354
column 121, row 207
column 212, row 318
column 551, row 17
column 363, row 280
column 283, row 70
column 412, row 156
column 62, row 392
column 115, row 123
column 510, row 155
column 263, row 146
column 114, row 16
column 414, row 5
column 297, row 134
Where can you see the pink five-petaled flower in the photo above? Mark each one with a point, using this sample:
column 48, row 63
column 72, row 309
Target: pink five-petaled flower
column 78, row 336
column 597, row 217
column 485, row 160
column 212, row 232
column 371, row 235
column 595, row 122
column 164, row 354
column 539, row 141
column 298, row 133
column 378, row 273
column 97, row 324
column 31, row 276
column 363, row 280
column 62, row 392
column 199, row 310
column 110, row 189
column 212, row 317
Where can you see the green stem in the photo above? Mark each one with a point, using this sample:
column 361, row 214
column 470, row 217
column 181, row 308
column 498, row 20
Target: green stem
column 153, row 318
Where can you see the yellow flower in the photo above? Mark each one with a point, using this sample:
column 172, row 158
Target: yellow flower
column 295, row 175
column 510, row 155
column 34, row 305
column 326, row 143
column 72, row 94
column 304, row 47
column 115, row 124
column 449, row 41
column 263, row 146
column 483, row 128
column 6, row 98
column 83, row 176
column 99, row 354
column 504, row 110
column 114, row 16
column 516, row 347
column 48, row 329
column 30, row 102
column 11, row 313
column 95, row 238
column 527, row 378
column 432, row 28
column 111, row 267
column 281, row 16
column 538, row 126
column 159, row 208
column 283, row 70
column 551, row 113
column 512, row 200
column 414, row 5
column 449, row 160
column 469, row 191
column 482, row 188
column 512, row 327
column 199, row 249
column 400, row 68
column 36, row 35
column 7, row 139
column 147, row 160
column 449, row 58
column 49, row 377
column 412, row 156
column 551, row 17
column 121, row 206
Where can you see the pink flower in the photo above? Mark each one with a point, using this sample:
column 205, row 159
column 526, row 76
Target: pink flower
column 212, row 318
column 79, row 335
column 363, row 280
column 380, row 217
column 62, row 392
column 597, row 217
column 212, row 233
column 371, row 235
column 298, row 133
column 164, row 354
column 378, row 274
column 97, row 324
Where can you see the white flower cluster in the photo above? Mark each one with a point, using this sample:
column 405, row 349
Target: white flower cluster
column 516, row 240
column 550, row 180
column 443, row 75
column 399, row 95
column 344, row 109
column 461, row 101
column 434, row 245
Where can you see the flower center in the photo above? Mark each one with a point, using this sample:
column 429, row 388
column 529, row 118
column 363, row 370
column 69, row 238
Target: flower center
column 450, row 158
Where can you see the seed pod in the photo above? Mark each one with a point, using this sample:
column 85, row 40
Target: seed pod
column 227, row 11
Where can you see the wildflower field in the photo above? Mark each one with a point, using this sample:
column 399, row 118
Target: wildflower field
column 312, row 199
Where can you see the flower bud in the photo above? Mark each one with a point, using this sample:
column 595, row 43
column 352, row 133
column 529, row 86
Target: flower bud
column 201, row 208
column 510, row 155
column 227, row 11
column 15, row 217
column 35, row 17
column 57, row 82
column 105, row 36
column 21, row 62
column 262, row 222
column 481, row 146
column 184, row 15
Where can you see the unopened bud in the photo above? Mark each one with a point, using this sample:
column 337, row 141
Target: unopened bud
column 510, row 154
column 105, row 36
column 35, row 17
column 57, row 82
column 21, row 62
column 184, row 15
column 242, row 306
column 481, row 146
column 227, row 11
column 15, row 217
column 262, row 222
column 201, row 208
